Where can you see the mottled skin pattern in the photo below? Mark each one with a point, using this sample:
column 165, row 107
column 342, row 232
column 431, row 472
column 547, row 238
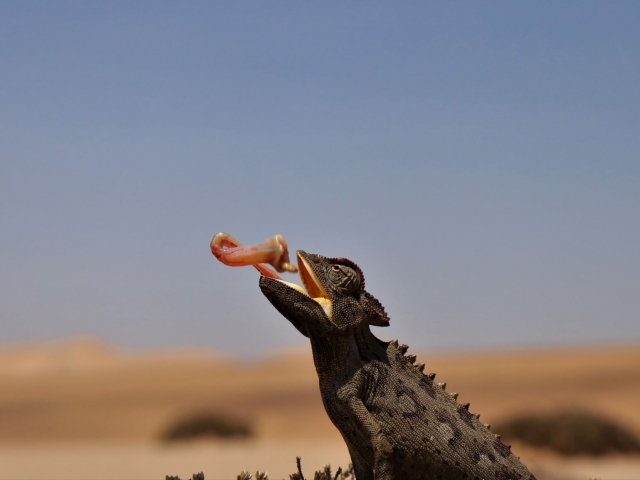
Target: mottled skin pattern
column 397, row 423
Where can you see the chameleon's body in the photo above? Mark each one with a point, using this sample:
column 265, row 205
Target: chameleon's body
column 398, row 424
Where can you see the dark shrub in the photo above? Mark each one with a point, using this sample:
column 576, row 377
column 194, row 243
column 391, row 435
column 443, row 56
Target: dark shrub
column 571, row 433
column 206, row 425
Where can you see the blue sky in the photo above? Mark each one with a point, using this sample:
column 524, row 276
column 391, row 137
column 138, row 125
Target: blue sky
column 479, row 161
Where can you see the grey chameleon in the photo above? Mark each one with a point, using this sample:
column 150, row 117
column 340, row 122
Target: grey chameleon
column 397, row 423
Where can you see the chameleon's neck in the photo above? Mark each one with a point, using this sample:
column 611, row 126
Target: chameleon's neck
column 332, row 355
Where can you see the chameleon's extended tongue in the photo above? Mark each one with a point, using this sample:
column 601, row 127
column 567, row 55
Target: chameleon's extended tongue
column 273, row 251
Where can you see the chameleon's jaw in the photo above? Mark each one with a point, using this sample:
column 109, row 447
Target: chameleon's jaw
column 312, row 286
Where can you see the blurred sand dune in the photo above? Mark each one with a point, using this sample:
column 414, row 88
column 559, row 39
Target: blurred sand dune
column 84, row 400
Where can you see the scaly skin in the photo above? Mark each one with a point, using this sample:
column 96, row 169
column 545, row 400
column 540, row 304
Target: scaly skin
column 397, row 423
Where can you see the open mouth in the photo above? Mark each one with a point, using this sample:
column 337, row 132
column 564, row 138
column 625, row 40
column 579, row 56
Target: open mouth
column 312, row 286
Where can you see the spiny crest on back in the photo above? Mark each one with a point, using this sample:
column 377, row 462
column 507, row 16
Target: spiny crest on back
column 463, row 409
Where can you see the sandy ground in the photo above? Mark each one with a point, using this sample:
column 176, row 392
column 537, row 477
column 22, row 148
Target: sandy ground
column 81, row 410
column 223, row 461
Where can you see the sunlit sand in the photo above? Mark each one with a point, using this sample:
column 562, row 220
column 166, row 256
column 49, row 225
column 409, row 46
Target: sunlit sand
column 81, row 409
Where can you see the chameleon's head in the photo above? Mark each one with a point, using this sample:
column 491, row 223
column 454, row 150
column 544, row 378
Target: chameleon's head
column 333, row 298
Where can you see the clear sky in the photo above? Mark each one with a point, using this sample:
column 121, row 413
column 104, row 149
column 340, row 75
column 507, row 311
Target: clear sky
column 480, row 161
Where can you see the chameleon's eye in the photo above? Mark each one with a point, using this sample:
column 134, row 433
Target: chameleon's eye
column 344, row 279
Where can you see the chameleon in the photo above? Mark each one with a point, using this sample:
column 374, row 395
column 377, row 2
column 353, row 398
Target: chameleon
column 396, row 421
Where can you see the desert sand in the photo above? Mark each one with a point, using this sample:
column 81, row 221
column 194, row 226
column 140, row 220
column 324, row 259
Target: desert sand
column 80, row 409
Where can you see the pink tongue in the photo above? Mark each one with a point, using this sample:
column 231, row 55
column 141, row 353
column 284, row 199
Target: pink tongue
column 273, row 251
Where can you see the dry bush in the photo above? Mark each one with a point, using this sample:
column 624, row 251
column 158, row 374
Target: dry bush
column 244, row 475
column 571, row 433
column 206, row 425
column 324, row 474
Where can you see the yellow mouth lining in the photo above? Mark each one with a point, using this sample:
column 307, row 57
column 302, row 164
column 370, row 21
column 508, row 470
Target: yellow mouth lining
column 312, row 286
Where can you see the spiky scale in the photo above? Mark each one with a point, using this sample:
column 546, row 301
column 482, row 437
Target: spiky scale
column 443, row 385
column 466, row 406
column 403, row 348
column 488, row 426
column 477, row 415
column 454, row 395
column 431, row 376
column 394, row 343
column 421, row 367
column 411, row 358
column 498, row 437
